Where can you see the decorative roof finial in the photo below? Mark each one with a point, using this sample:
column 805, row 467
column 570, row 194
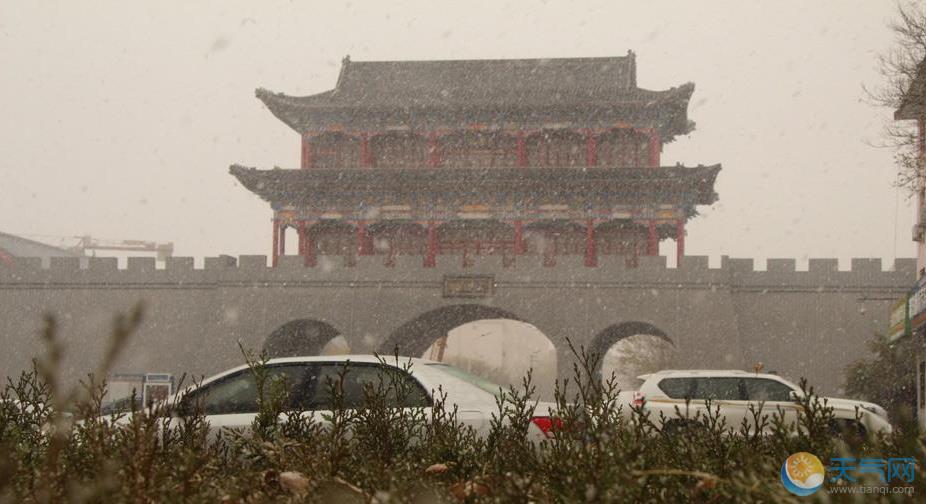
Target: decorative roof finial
column 345, row 62
column 633, row 68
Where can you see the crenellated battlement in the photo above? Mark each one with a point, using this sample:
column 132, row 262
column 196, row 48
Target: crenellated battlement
column 196, row 311
column 739, row 273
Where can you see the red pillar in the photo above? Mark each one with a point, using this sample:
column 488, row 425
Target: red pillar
column 306, row 161
column 652, row 240
column 549, row 251
column 366, row 155
column 654, row 145
column 433, row 150
column 283, row 239
column 364, row 243
column 309, row 248
column 430, row 260
column 276, row 243
column 390, row 254
column 679, row 240
column 441, row 346
column 591, row 248
column 301, row 231
column 591, row 148
column 522, row 149
column 519, row 248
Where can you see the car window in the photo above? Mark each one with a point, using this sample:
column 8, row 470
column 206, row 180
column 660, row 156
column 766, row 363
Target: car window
column 478, row 381
column 402, row 390
column 678, row 388
column 763, row 389
column 238, row 393
column 720, row 389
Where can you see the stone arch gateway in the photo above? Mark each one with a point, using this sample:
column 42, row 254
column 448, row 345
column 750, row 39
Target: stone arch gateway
column 800, row 323
column 416, row 335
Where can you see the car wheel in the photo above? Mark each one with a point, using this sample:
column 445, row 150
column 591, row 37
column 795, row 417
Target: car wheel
column 681, row 428
column 848, row 429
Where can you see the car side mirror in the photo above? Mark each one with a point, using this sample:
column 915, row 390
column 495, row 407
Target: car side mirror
column 794, row 395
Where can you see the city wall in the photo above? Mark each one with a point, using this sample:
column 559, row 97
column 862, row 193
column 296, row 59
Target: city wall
column 799, row 323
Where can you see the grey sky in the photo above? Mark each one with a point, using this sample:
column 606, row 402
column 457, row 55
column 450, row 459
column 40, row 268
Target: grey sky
column 120, row 120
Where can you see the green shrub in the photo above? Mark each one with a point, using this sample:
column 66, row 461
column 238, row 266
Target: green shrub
column 55, row 448
column 887, row 377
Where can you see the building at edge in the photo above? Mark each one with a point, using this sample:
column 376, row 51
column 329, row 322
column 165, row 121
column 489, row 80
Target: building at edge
column 908, row 314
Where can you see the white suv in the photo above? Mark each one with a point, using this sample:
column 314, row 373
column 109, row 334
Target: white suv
column 229, row 399
column 734, row 392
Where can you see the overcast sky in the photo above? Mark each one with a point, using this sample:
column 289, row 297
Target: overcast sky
column 121, row 120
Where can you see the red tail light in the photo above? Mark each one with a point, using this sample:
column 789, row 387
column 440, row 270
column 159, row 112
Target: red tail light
column 638, row 399
column 547, row 425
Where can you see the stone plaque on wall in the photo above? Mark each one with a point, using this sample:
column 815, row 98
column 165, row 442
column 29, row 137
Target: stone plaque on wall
column 469, row 286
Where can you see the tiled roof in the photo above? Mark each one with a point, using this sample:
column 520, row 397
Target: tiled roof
column 914, row 97
column 482, row 82
column 513, row 87
column 692, row 184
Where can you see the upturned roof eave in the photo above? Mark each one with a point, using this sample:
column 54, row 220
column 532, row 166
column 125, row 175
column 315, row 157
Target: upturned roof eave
column 297, row 112
column 265, row 182
column 672, row 123
column 909, row 111
column 913, row 103
column 331, row 100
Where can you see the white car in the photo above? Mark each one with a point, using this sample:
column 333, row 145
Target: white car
column 229, row 399
column 66, row 418
column 734, row 392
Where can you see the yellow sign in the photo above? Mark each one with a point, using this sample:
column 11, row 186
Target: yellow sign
column 899, row 318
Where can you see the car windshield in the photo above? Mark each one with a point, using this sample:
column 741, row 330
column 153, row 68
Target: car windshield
column 482, row 383
column 122, row 405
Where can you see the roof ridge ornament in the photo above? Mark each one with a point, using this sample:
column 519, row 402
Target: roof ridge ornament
column 345, row 62
column 632, row 75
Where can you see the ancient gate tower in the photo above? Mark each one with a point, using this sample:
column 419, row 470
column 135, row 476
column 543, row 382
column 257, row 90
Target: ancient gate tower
column 521, row 162
column 524, row 159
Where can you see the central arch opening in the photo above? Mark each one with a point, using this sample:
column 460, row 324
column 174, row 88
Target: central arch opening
column 486, row 341
column 502, row 351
